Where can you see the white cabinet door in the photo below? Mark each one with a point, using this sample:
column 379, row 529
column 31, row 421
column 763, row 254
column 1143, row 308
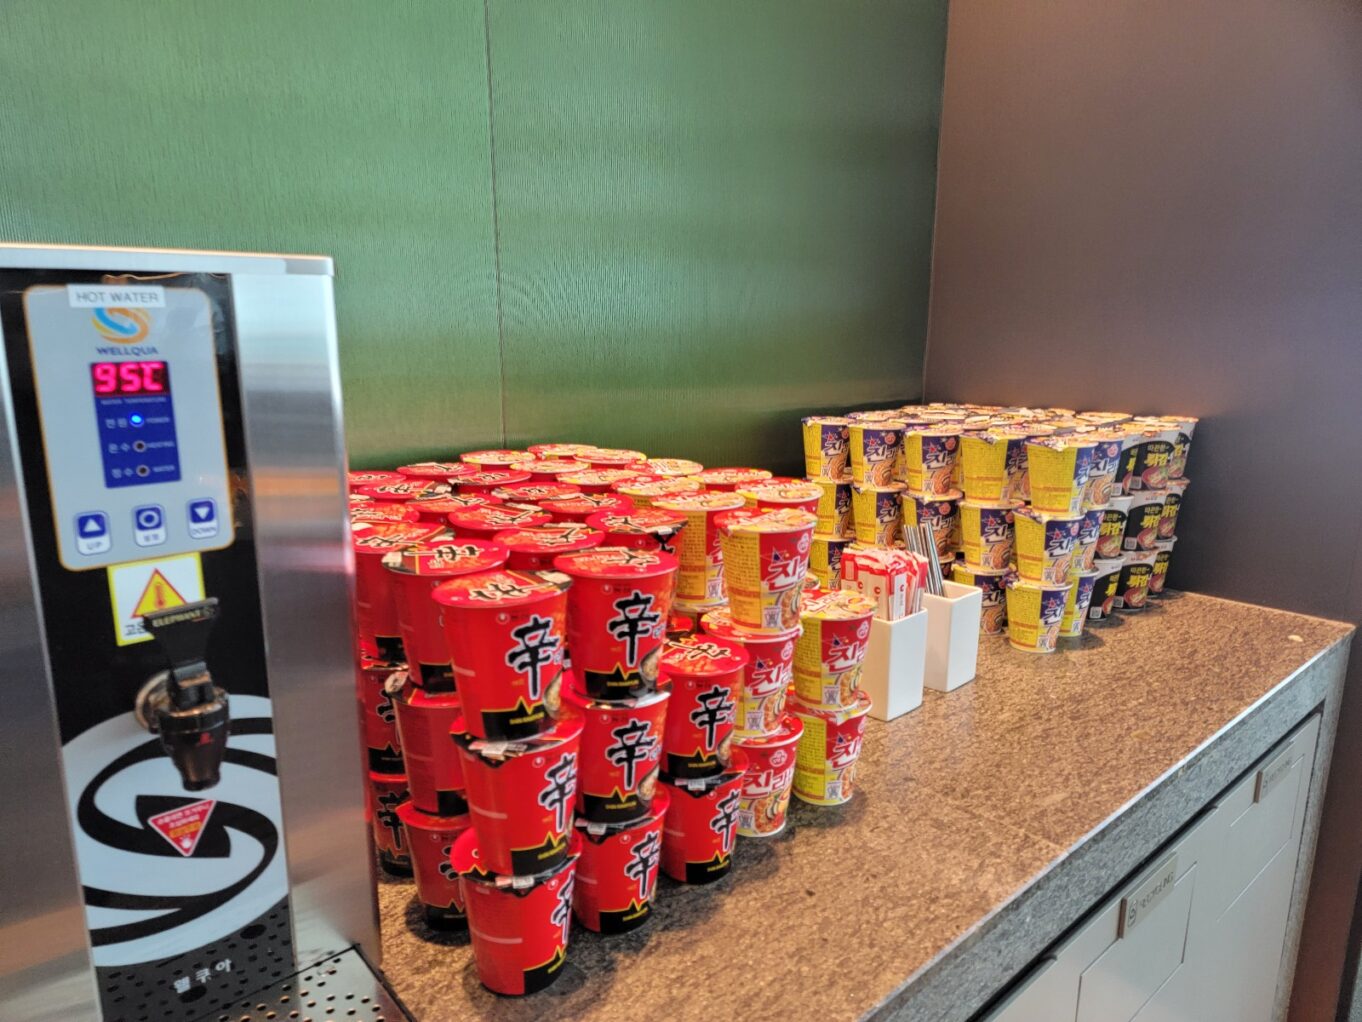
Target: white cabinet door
column 1044, row 996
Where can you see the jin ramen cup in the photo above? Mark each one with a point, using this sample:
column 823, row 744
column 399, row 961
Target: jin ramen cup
column 601, row 480
column 766, row 557
column 1077, row 604
column 730, row 479
column 827, row 452
column 877, row 513
column 825, row 560
column 1106, row 462
column 612, row 457
column 983, row 466
column 1045, row 545
column 669, row 468
column 876, row 452
column 1058, row 469
column 767, row 676
column 834, row 510
column 1034, row 613
column 1089, row 532
column 825, row 769
column 803, row 496
column 941, row 511
column 700, row 574
column 646, row 493
column 987, row 536
column 544, row 452
column 830, row 650
column 929, row 458
column 766, row 786
column 617, row 873
column 992, row 583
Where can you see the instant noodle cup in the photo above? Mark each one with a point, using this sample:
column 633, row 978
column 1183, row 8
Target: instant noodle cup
column 534, row 548
column 1142, row 521
column 1077, row 604
column 549, row 470
column 672, row 467
column 825, row 769
column 375, row 606
column 404, row 490
column 621, row 754
column 993, row 584
column 796, row 493
column 987, row 536
column 494, row 459
column 825, row 560
column 941, row 511
column 983, row 466
column 1184, row 426
column 705, row 675
column 1163, row 553
column 385, row 792
column 730, row 479
column 431, row 841
column 766, row 786
column 617, row 618
column 1103, row 602
column 701, row 825
column 834, row 510
column 437, row 508
column 583, row 506
column 1034, row 613
column 1132, row 591
column 521, row 795
column 518, row 925
column 643, row 528
column 1045, row 545
column 643, row 494
column 600, row 480
column 506, row 632
column 1105, row 418
column 548, row 452
column 1111, row 537
column 382, row 511
column 356, row 481
column 1144, row 457
column 700, row 575
column 929, row 458
column 611, row 457
column 533, row 493
column 682, row 621
column 1172, row 503
column 434, row 773
column 827, row 451
column 1089, row 532
column 876, row 452
column 377, row 683
column 767, row 676
column 1058, row 470
column 831, row 648
column 1106, row 462
column 443, row 471
column 766, row 557
column 877, row 513
column 486, row 522
column 487, row 480
column 617, row 873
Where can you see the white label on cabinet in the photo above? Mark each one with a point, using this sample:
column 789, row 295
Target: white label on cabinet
column 1145, row 898
column 1271, row 775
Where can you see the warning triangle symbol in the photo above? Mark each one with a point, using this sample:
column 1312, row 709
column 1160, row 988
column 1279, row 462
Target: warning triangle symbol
column 158, row 595
column 184, row 826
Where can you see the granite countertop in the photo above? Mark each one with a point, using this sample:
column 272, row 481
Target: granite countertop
column 987, row 819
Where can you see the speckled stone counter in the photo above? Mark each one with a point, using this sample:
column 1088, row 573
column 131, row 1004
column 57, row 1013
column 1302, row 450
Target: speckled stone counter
column 987, row 822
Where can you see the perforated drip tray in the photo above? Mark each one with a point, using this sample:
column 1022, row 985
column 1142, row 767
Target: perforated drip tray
column 340, row 989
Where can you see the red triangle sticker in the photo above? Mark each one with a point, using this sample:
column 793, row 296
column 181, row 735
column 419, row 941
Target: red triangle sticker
column 184, row 826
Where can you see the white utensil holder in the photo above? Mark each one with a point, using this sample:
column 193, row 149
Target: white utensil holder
column 952, row 636
column 895, row 659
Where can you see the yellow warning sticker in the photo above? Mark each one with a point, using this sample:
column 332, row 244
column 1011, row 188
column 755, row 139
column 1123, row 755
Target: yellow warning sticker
column 140, row 587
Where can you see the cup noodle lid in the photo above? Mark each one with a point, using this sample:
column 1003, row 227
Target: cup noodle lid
column 556, row 537
column 672, row 467
column 494, row 458
column 732, row 477
column 609, row 457
column 712, row 500
column 417, row 820
column 499, row 588
column 834, row 715
column 385, row 537
column 443, row 470
column 650, row 521
column 365, row 477
column 446, row 557
column 600, row 479
column 587, row 504
column 787, row 732
column 666, row 487
column 404, row 489
column 617, row 563
column 767, row 520
column 836, row 605
column 558, row 450
column 719, row 623
column 382, row 511
column 489, row 479
column 703, row 656
column 792, row 492
column 451, row 503
column 533, row 493
column 495, row 517
column 553, row 466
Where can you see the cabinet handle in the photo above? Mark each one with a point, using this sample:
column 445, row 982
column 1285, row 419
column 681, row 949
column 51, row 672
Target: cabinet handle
column 1146, row 897
column 1271, row 775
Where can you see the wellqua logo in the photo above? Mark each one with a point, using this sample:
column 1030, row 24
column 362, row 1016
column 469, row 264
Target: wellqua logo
column 125, row 326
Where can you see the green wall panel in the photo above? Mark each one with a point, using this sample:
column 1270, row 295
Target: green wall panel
column 713, row 216
column 347, row 127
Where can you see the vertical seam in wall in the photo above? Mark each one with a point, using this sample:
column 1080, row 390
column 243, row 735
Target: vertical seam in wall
column 496, row 221
column 936, row 205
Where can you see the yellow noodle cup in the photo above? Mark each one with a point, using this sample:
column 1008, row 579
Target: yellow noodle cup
column 1034, row 613
column 987, row 536
column 1077, row 604
column 826, row 451
column 1045, row 545
column 876, row 452
column 993, row 584
column 983, row 466
column 766, row 559
column 834, row 509
column 929, row 456
column 877, row 514
column 700, row 577
column 1058, row 468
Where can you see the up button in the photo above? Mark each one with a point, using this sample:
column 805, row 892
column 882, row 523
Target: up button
column 203, row 518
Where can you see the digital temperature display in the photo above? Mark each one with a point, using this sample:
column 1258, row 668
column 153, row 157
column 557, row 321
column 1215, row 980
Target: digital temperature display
column 125, row 379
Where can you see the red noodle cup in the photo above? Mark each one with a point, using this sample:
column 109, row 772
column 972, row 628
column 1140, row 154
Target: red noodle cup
column 827, row 450
column 767, row 676
column 583, row 506
column 611, row 457
column 377, row 688
column 825, row 560
column 415, row 571
column 700, row 575
column 600, row 480
column 941, row 511
column 1106, row 462
column 533, row 493
column 987, row 536
column 534, row 548
column 382, row 511
column 358, row 499
column 1172, row 503
column 765, row 791
column 825, row 769
column 705, row 674
column 494, row 459
column 486, row 522
column 1103, row 603
column 673, row 467
column 621, row 753
column 1058, row 470
column 506, row 632
column 830, row 650
column 1143, row 520
column 521, row 795
column 519, row 925
column 1163, row 553
column 877, row 513
column 545, row 452
column 876, row 452
column 645, row 493
column 404, row 490
column 437, row 509
column 834, row 510
column 617, row 873
column 1034, row 613
column 643, row 528
column 549, row 470
column 701, row 825
column 1089, row 532
column 375, row 607
column 766, row 557
column 682, row 621
column 797, row 493
column 1111, row 537
column 385, row 793
column 487, row 480
column 929, row 458
column 431, row 840
column 729, row 479
column 1077, row 604
column 993, row 584
column 356, row 481
column 434, row 773
column 1045, row 545
column 617, row 620
column 1132, row 591
column 442, row 471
